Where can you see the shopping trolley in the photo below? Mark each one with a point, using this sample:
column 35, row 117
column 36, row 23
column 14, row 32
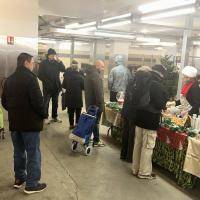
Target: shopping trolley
column 83, row 131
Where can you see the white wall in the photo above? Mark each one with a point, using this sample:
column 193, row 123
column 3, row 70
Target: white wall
column 19, row 18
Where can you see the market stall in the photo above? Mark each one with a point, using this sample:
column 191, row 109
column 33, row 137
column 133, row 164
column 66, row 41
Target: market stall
column 171, row 147
column 112, row 118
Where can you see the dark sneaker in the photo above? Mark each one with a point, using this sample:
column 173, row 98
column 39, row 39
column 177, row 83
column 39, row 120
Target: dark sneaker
column 71, row 127
column 18, row 183
column 57, row 119
column 98, row 144
column 39, row 188
column 150, row 177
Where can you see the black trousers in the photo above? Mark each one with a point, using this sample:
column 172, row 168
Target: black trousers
column 71, row 112
column 47, row 97
column 96, row 127
column 128, row 137
column 113, row 96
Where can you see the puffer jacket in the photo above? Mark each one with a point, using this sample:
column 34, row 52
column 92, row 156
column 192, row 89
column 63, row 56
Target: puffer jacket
column 119, row 78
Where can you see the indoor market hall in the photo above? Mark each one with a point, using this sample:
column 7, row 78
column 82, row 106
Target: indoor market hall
column 100, row 100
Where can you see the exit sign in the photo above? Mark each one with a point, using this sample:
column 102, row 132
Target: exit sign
column 10, row 40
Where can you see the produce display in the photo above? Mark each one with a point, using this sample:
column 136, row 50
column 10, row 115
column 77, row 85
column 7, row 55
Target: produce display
column 114, row 105
column 171, row 125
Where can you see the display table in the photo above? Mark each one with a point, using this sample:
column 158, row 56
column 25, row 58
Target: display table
column 170, row 152
column 112, row 118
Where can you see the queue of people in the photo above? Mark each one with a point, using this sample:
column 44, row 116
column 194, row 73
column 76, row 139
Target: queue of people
column 145, row 98
column 28, row 108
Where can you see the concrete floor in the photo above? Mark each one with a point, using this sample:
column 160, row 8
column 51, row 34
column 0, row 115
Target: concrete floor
column 72, row 176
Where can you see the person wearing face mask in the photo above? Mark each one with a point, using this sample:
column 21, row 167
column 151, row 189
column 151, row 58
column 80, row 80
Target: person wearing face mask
column 23, row 100
column 49, row 74
column 94, row 95
column 190, row 93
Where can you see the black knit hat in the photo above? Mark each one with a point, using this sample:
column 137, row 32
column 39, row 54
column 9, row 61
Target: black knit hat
column 51, row 52
column 159, row 69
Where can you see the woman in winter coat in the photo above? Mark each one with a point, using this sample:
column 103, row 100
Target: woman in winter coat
column 190, row 93
column 73, row 84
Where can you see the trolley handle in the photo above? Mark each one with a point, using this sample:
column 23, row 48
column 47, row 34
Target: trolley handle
column 92, row 110
column 89, row 115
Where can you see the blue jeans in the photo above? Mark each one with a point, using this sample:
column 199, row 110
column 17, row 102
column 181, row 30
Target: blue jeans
column 27, row 157
column 96, row 127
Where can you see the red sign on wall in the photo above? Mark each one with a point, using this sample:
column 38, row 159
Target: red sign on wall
column 10, row 40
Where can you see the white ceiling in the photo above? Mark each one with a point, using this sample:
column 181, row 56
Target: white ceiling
column 88, row 8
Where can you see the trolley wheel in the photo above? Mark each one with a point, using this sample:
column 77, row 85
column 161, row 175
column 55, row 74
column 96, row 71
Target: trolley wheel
column 88, row 151
column 74, row 146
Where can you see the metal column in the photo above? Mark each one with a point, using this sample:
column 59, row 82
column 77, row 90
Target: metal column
column 184, row 52
column 72, row 51
column 93, row 52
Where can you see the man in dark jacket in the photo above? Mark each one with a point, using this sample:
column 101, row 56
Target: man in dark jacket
column 49, row 74
column 147, row 122
column 128, row 130
column 73, row 84
column 23, row 100
column 94, row 95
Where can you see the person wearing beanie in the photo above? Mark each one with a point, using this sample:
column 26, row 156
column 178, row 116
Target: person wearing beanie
column 49, row 74
column 190, row 93
column 147, row 119
column 73, row 84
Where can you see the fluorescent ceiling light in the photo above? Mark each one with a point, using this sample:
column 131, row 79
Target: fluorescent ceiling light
column 173, row 13
column 159, row 48
column 196, row 43
column 74, row 25
column 114, row 35
column 116, row 17
column 92, row 28
column 144, row 31
column 77, row 25
column 47, row 41
column 87, row 24
column 163, row 5
column 115, row 24
column 73, row 32
column 144, row 39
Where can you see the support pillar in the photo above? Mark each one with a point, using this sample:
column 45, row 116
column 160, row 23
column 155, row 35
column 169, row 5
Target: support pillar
column 185, row 50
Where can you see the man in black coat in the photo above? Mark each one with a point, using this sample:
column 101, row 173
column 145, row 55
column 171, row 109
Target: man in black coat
column 49, row 74
column 147, row 122
column 128, row 130
column 73, row 84
column 23, row 100
column 94, row 95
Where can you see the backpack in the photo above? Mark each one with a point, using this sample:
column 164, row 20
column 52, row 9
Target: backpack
column 140, row 90
column 137, row 94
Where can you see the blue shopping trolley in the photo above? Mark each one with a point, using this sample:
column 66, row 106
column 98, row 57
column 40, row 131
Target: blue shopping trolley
column 83, row 131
